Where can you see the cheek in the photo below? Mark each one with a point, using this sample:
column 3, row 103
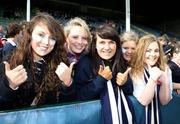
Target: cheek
column 99, row 47
column 147, row 54
column 51, row 49
column 123, row 51
column 114, row 47
column 70, row 40
column 33, row 45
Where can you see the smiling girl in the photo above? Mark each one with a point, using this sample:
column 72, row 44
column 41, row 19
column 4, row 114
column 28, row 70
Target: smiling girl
column 151, row 78
column 32, row 75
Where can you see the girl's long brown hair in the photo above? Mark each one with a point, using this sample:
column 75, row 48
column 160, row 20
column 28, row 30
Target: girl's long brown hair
column 24, row 54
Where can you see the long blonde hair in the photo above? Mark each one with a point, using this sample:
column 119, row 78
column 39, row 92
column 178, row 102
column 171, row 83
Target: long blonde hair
column 137, row 63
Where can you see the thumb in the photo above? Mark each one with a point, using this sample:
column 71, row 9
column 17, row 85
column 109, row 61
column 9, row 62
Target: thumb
column 72, row 65
column 7, row 66
column 100, row 68
column 127, row 71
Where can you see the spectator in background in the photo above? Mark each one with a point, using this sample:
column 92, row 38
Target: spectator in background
column 1, row 31
column 78, row 38
column 1, row 36
column 96, row 77
column 151, row 78
column 164, row 41
column 36, row 73
column 13, row 30
column 2, row 42
column 174, row 65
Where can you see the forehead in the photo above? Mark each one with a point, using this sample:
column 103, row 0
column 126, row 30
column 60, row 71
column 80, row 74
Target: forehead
column 130, row 43
column 101, row 39
column 153, row 45
column 41, row 27
column 77, row 30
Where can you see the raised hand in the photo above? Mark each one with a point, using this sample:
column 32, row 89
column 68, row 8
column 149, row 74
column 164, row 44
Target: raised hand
column 64, row 73
column 16, row 76
column 105, row 72
column 155, row 73
column 121, row 78
column 164, row 77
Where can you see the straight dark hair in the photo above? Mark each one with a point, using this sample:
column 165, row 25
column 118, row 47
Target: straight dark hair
column 105, row 32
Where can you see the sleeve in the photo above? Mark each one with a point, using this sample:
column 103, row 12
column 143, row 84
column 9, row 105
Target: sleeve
column 6, row 93
column 67, row 94
column 175, row 72
column 88, row 86
column 128, row 87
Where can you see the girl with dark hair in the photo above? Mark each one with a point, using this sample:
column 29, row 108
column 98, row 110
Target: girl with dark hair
column 96, row 77
column 36, row 73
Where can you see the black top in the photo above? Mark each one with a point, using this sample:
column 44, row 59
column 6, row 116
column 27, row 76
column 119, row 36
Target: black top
column 175, row 72
column 25, row 94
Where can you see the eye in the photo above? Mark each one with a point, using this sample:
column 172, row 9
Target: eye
column 75, row 37
column 125, row 48
column 41, row 35
column 148, row 50
column 84, row 38
column 102, row 42
column 112, row 42
column 156, row 51
column 52, row 40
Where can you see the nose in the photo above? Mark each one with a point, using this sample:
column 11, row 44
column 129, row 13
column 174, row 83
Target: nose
column 107, row 46
column 81, row 40
column 130, row 51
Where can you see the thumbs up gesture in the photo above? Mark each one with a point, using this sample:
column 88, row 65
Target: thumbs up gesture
column 64, row 73
column 105, row 72
column 16, row 76
column 121, row 78
column 155, row 73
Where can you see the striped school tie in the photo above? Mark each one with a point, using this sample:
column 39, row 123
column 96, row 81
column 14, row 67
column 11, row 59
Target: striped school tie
column 152, row 114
